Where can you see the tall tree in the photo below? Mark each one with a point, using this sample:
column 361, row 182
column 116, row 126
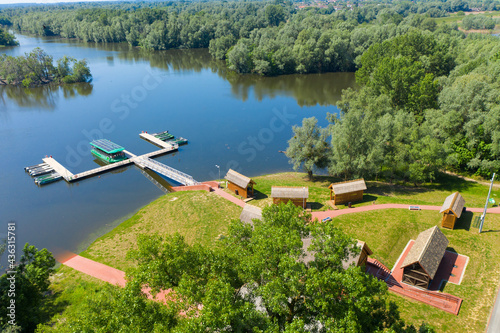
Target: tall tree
column 31, row 282
column 308, row 146
column 257, row 278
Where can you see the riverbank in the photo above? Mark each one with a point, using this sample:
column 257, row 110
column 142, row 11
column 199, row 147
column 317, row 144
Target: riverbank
column 202, row 217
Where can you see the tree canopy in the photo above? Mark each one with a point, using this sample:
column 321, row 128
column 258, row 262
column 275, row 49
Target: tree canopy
column 31, row 277
column 256, row 278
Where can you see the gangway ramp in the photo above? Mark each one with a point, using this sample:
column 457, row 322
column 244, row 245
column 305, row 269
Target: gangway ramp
column 167, row 171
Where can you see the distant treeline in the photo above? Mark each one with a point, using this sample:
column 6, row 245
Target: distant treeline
column 37, row 68
column 268, row 38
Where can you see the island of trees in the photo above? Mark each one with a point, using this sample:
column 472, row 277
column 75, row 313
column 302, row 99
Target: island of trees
column 6, row 39
column 37, row 67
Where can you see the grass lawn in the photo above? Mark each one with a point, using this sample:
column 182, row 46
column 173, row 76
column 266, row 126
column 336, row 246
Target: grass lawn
column 68, row 289
column 427, row 194
column 387, row 232
column 199, row 216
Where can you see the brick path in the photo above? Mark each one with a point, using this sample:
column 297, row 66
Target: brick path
column 108, row 274
column 335, row 213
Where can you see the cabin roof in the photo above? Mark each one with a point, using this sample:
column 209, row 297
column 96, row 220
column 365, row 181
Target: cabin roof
column 107, row 146
column 309, row 255
column 348, row 187
column 454, row 202
column 249, row 213
column 238, row 179
column 289, row 192
column 428, row 250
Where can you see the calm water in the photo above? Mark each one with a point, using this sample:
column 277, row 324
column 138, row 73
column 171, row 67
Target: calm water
column 235, row 121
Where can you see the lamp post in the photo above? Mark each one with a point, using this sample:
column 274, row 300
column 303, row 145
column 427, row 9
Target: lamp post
column 486, row 205
column 304, row 199
column 218, row 167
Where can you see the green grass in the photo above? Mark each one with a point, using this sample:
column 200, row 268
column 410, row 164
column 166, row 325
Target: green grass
column 67, row 291
column 378, row 192
column 387, row 232
column 199, row 216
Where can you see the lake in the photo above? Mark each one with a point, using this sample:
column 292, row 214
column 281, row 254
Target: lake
column 235, row 121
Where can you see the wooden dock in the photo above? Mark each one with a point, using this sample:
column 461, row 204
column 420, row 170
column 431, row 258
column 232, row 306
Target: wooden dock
column 132, row 159
column 143, row 161
column 65, row 173
column 158, row 142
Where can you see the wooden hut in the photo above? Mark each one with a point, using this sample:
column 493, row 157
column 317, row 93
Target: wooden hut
column 423, row 259
column 344, row 192
column 452, row 210
column 355, row 260
column 239, row 184
column 250, row 213
column 297, row 195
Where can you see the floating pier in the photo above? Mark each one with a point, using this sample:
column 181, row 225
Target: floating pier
column 160, row 143
column 51, row 170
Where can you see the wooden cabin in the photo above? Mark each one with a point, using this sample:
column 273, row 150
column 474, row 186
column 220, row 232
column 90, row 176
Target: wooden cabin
column 297, row 195
column 239, row 184
column 353, row 260
column 423, row 259
column 452, row 210
column 344, row 192
column 250, row 213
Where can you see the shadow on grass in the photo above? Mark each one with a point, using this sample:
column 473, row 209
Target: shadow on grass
column 465, row 221
column 444, row 182
column 52, row 305
column 315, row 205
column 259, row 195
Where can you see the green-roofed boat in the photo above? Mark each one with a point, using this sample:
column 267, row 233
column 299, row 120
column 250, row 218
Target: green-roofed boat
column 107, row 151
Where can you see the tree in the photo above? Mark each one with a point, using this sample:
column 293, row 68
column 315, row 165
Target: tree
column 256, row 278
column 7, row 39
column 274, row 14
column 31, row 282
column 308, row 146
column 116, row 309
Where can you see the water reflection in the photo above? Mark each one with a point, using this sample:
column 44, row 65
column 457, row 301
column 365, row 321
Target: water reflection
column 307, row 89
column 44, row 97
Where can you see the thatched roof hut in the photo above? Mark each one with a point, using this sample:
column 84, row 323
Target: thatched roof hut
column 239, row 184
column 283, row 194
column 358, row 259
column 250, row 213
column 452, row 210
column 349, row 191
column 423, row 259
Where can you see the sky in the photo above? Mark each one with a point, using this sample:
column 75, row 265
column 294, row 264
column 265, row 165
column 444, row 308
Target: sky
column 3, row 2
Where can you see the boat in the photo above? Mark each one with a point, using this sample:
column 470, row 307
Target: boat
column 107, row 151
column 42, row 180
column 180, row 141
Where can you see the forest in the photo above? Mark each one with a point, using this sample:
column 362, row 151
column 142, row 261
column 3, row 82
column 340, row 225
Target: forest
column 268, row 38
column 37, row 67
column 427, row 97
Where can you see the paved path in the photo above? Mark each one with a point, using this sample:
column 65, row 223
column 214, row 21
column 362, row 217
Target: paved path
column 335, row 213
column 108, row 274
column 229, row 197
